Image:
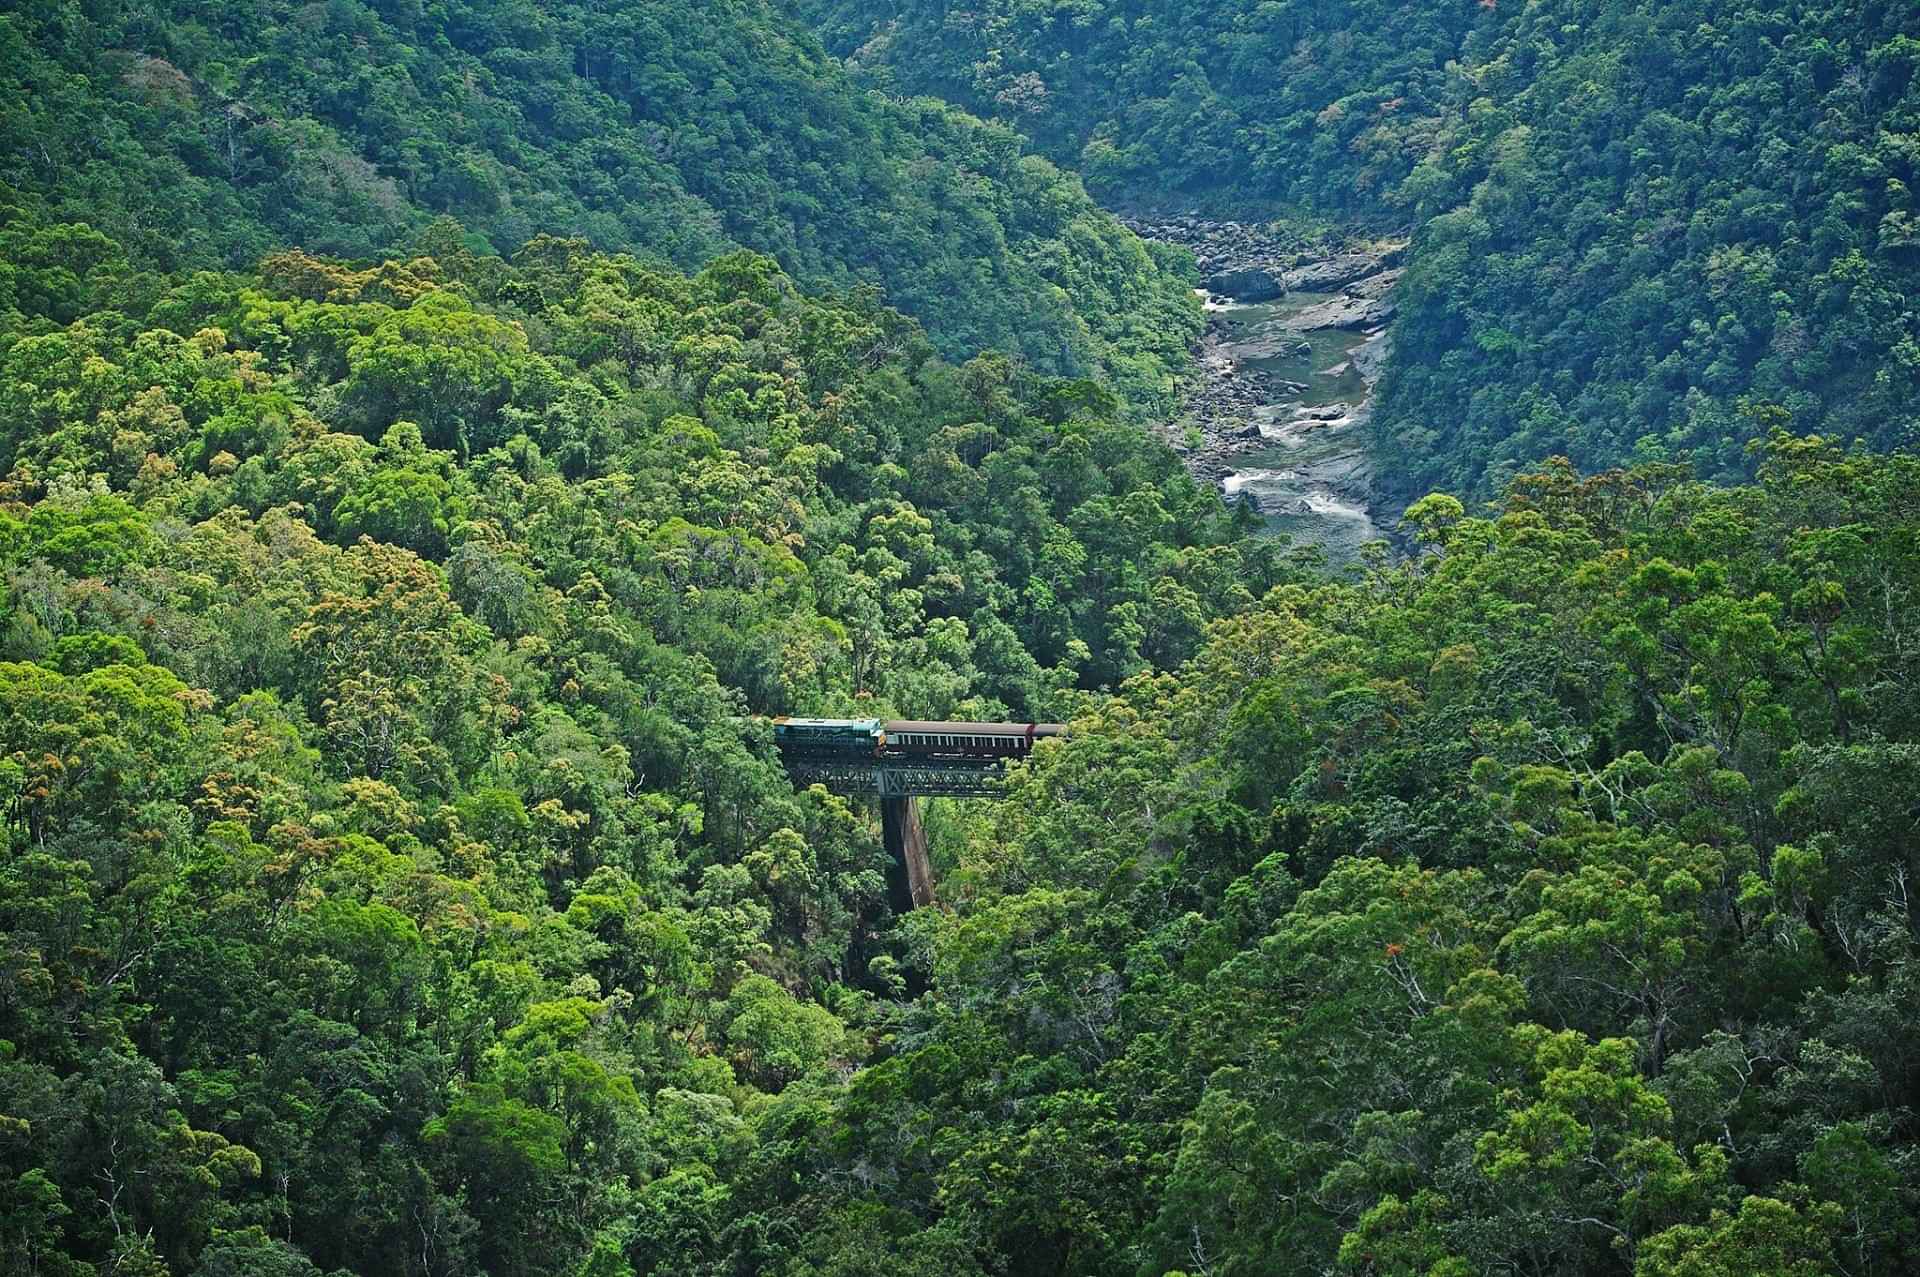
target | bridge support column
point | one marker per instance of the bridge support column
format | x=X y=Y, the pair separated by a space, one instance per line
x=910 y=874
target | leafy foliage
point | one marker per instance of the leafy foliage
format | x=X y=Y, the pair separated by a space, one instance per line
x=209 y=135
x=1466 y=911
x=1634 y=223
x=397 y=876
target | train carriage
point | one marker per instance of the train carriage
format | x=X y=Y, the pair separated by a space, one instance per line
x=915 y=738
x=829 y=738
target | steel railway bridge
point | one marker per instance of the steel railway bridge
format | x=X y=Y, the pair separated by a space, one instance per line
x=899 y=762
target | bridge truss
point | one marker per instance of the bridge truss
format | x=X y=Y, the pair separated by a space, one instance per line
x=900 y=778
x=900 y=762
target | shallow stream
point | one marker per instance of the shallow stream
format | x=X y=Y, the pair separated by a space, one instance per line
x=1310 y=479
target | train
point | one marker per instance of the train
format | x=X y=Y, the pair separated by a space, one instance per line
x=829 y=738
x=964 y=740
x=862 y=738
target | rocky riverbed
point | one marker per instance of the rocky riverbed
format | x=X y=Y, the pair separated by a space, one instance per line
x=1294 y=342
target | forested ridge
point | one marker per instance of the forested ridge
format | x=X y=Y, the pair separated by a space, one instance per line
x=398 y=878
x=396 y=584
x=398 y=874
x=1628 y=218
x=209 y=134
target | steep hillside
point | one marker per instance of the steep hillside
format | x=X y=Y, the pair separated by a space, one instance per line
x=395 y=874
x=210 y=134
x=1308 y=105
x=395 y=877
x=1639 y=226
x=1673 y=222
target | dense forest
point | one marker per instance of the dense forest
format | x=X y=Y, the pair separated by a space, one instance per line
x=208 y=134
x=1324 y=105
x=390 y=809
x=398 y=878
x=437 y=438
x=1629 y=217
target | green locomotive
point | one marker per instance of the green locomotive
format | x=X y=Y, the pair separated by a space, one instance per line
x=828 y=738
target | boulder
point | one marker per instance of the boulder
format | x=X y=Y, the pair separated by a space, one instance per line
x=1249 y=284
x=1281 y=344
x=1374 y=285
x=1331 y=273
x=1355 y=313
x=1370 y=356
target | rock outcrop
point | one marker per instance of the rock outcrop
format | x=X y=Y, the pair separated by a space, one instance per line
x=1342 y=269
x=1358 y=314
x=1249 y=284
x=1361 y=306
x=1249 y=263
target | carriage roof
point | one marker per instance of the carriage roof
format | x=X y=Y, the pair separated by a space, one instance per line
x=917 y=727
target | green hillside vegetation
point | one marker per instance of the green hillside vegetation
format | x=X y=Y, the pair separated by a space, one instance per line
x=397 y=879
x=1681 y=211
x=1630 y=218
x=397 y=876
x=208 y=135
x=1317 y=106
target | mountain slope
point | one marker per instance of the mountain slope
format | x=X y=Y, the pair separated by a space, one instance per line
x=1678 y=221
x=1639 y=227
x=396 y=876
x=208 y=135
x=1310 y=104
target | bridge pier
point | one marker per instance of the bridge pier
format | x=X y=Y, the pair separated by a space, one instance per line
x=898 y=761
x=909 y=872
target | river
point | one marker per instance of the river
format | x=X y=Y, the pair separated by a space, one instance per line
x=1277 y=414
x=1310 y=472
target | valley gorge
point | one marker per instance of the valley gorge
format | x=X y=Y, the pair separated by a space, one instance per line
x=1031 y=638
